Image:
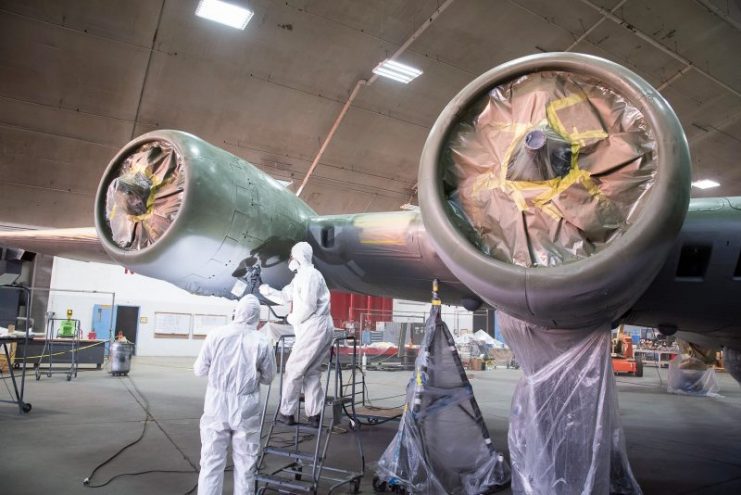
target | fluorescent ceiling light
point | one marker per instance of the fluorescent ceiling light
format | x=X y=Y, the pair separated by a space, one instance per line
x=396 y=71
x=225 y=13
x=705 y=184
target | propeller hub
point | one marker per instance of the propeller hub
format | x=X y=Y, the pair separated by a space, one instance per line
x=132 y=193
x=535 y=140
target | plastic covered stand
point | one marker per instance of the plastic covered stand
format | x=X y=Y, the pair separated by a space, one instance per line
x=565 y=435
x=691 y=372
x=690 y=376
x=443 y=445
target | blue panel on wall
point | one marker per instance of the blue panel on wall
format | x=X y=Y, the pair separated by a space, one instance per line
x=102 y=315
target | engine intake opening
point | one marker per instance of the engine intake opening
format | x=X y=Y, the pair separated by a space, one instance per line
x=143 y=200
x=548 y=168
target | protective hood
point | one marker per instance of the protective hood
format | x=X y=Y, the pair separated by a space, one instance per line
x=302 y=253
x=247 y=310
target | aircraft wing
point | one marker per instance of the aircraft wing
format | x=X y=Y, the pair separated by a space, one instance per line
x=567 y=217
x=384 y=253
x=78 y=244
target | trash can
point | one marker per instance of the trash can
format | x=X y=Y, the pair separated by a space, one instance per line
x=121 y=358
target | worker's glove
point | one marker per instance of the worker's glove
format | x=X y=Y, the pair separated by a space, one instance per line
x=292 y=320
x=264 y=289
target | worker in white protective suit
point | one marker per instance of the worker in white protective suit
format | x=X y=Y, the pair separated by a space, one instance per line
x=312 y=324
x=237 y=359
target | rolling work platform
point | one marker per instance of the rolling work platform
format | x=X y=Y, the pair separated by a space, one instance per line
x=55 y=345
x=304 y=471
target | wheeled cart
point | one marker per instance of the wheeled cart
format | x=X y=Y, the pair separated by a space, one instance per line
x=54 y=346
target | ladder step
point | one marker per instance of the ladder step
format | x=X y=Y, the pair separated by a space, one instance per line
x=302 y=427
x=306 y=428
x=290 y=453
x=284 y=483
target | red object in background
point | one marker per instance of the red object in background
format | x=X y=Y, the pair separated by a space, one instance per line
x=91 y=335
x=351 y=307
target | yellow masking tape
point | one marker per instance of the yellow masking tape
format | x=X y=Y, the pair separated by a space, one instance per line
x=59 y=353
x=552 y=187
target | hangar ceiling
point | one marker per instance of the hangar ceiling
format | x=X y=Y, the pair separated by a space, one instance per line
x=78 y=79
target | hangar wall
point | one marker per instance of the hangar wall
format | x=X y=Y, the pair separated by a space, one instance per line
x=131 y=290
x=154 y=296
x=456 y=317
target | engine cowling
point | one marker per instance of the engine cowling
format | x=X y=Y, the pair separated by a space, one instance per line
x=554 y=186
x=174 y=207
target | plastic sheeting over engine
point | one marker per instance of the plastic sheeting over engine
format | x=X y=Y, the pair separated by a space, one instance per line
x=565 y=435
x=548 y=168
x=143 y=201
x=443 y=445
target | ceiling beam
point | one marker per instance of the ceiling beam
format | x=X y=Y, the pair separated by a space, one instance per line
x=428 y=22
x=594 y=26
x=718 y=12
x=648 y=39
x=146 y=70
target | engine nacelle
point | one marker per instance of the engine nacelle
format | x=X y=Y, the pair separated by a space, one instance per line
x=554 y=185
x=173 y=207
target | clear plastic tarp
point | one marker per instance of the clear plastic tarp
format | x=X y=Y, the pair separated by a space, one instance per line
x=443 y=445
x=548 y=169
x=143 y=201
x=692 y=372
x=565 y=435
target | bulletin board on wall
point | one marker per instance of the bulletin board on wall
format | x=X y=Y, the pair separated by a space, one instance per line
x=172 y=325
x=202 y=324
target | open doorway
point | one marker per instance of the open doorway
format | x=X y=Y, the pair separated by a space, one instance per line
x=127 y=321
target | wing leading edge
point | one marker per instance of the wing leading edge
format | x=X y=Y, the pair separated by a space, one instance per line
x=78 y=243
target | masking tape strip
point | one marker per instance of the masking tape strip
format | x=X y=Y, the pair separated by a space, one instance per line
x=14 y=355
x=553 y=187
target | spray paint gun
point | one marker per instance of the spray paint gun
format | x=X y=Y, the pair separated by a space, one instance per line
x=249 y=281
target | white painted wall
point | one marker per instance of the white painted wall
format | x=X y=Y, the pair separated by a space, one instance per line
x=456 y=317
x=131 y=290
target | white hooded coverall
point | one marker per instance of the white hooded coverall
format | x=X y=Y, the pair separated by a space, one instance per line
x=237 y=359
x=312 y=324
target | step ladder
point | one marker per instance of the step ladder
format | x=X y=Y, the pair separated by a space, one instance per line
x=302 y=471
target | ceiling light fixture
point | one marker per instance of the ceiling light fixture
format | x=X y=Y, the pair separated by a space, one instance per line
x=705 y=184
x=396 y=71
x=225 y=13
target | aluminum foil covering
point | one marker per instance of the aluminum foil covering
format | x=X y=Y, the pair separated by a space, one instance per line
x=548 y=169
x=145 y=198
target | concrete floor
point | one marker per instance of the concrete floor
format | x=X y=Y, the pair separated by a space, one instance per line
x=677 y=445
